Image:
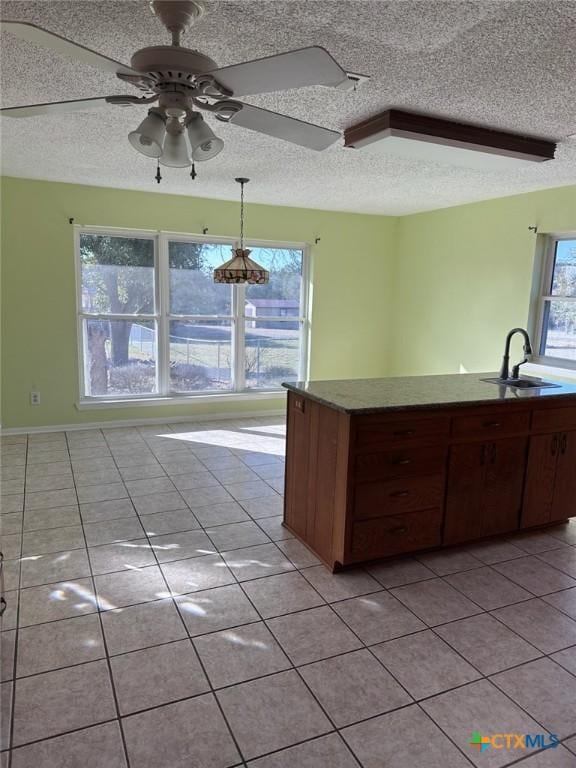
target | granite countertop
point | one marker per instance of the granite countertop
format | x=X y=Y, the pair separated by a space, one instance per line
x=414 y=392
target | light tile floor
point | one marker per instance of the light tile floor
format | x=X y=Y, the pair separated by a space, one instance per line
x=160 y=616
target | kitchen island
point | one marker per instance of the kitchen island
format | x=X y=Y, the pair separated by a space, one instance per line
x=380 y=467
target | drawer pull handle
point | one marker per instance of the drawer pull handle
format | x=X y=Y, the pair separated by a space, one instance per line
x=403 y=461
x=404 y=432
x=399 y=494
x=400 y=529
x=2 y=606
x=492 y=424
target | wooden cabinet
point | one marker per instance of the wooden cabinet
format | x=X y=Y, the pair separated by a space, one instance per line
x=490 y=425
x=550 y=493
x=297 y=460
x=464 y=493
x=397 y=533
x=505 y=465
x=540 y=479
x=390 y=497
x=374 y=431
x=484 y=492
x=365 y=486
x=564 y=499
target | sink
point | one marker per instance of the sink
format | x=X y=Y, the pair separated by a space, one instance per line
x=522 y=383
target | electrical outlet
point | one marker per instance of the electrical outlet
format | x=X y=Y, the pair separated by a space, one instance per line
x=34 y=398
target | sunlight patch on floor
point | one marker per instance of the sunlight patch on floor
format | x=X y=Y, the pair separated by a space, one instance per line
x=235 y=440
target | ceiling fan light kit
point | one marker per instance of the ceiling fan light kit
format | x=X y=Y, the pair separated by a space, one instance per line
x=186 y=82
x=439 y=140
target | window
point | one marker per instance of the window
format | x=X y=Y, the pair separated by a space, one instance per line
x=153 y=323
x=556 y=324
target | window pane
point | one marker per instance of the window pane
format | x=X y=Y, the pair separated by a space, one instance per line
x=200 y=355
x=192 y=288
x=119 y=357
x=559 y=330
x=564 y=276
x=281 y=296
x=117 y=274
x=272 y=355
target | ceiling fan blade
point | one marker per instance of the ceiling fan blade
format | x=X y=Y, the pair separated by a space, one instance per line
x=284 y=127
x=295 y=69
x=54 y=107
x=33 y=34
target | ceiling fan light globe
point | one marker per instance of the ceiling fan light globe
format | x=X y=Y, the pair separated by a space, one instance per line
x=175 y=153
x=204 y=142
x=148 y=138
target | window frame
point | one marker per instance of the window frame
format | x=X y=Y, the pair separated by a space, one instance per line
x=162 y=318
x=544 y=296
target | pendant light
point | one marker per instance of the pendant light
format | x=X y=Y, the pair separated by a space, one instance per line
x=241 y=268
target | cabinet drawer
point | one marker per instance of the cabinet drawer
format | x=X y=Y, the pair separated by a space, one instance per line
x=553 y=419
x=396 y=534
x=401 y=462
x=398 y=495
x=372 y=432
x=490 y=424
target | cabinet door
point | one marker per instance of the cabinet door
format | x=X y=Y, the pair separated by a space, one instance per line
x=564 y=501
x=297 y=461
x=505 y=466
x=540 y=479
x=463 y=520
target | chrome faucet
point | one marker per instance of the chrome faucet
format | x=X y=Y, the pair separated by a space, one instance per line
x=504 y=372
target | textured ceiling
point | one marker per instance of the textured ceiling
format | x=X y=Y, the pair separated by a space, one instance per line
x=508 y=65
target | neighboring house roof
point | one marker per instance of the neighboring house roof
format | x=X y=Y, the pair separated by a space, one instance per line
x=283 y=303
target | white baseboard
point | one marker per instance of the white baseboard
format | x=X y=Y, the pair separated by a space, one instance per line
x=205 y=417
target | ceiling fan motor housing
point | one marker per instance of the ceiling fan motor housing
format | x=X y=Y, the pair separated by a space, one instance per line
x=172 y=64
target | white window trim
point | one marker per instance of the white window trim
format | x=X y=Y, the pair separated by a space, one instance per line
x=544 y=280
x=162 y=318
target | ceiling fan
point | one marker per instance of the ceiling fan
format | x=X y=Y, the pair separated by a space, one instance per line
x=185 y=82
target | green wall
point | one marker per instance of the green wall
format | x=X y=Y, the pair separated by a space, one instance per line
x=428 y=293
x=39 y=351
x=463 y=277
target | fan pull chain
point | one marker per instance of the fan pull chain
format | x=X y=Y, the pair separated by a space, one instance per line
x=193 y=173
x=158 y=176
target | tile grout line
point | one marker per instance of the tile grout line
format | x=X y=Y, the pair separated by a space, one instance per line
x=238 y=583
x=490 y=612
x=197 y=655
x=104 y=642
x=292 y=666
x=486 y=677
x=296 y=569
x=431 y=628
x=384 y=589
x=381 y=588
x=414 y=702
x=17 y=633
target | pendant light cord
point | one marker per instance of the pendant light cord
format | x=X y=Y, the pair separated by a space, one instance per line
x=242 y=215
x=242 y=181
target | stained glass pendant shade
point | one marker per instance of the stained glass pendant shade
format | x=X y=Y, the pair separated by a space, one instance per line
x=241 y=268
